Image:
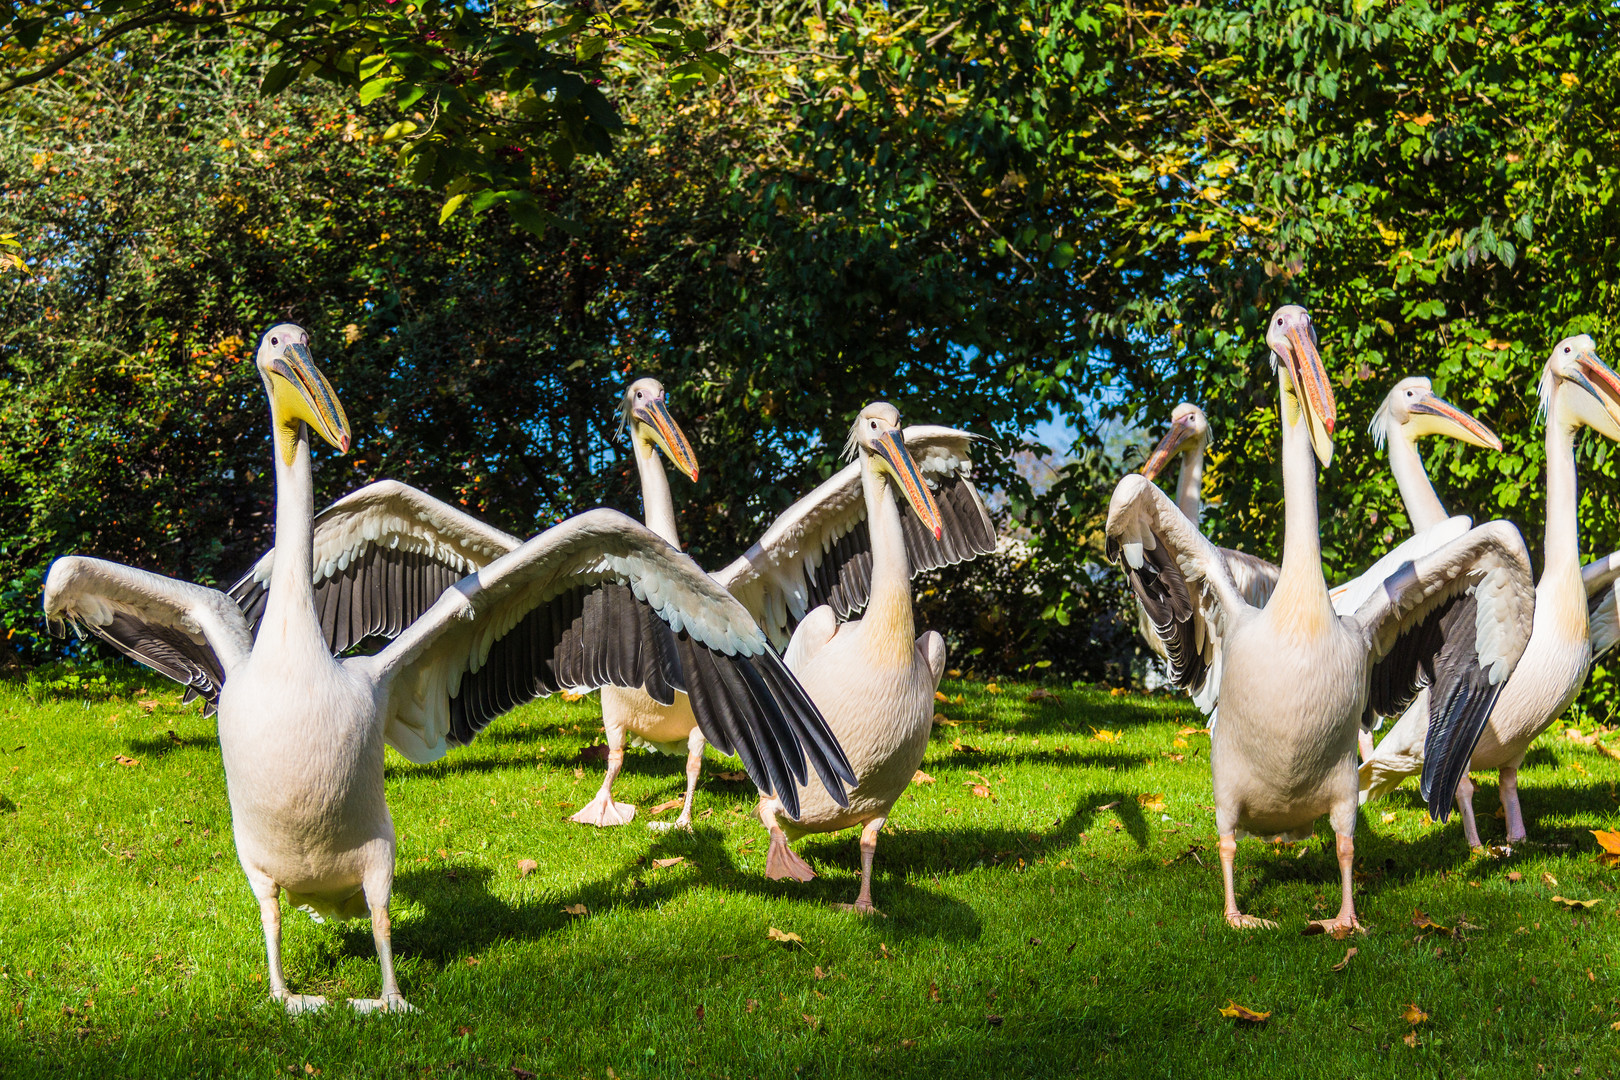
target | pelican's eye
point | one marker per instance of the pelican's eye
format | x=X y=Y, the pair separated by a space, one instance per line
x=1566 y=348
x=274 y=342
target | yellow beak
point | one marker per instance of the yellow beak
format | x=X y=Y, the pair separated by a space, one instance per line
x=891 y=449
x=668 y=435
x=1456 y=423
x=1167 y=448
x=1313 y=390
x=299 y=393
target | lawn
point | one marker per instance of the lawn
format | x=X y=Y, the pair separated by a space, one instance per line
x=1052 y=908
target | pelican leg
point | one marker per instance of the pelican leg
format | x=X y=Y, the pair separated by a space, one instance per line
x=268 y=894
x=1344 y=923
x=1235 y=918
x=694 y=765
x=781 y=861
x=382 y=935
x=869 y=837
x=1508 y=779
x=602 y=810
x=1465 y=810
x=1364 y=743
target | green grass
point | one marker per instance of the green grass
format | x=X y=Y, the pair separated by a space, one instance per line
x=1027 y=933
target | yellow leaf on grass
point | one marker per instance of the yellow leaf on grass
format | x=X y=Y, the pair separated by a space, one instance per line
x=981 y=791
x=1389 y=819
x=1154 y=802
x=992 y=688
x=1423 y=922
x=571 y=695
x=1414 y=1015
x=1192 y=731
x=1410 y=1038
x=941 y=698
x=734 y=777
x=1179 y=743
x=1548 y=879
x=941 y=720
x=126 y=762
x=663 y=864
x=1105 y=736
x=669 y=805
x=527 y=867
x=782 y=935
x=920 y=777
x=1237 y=1012
x=1573 y=904
x=576 y=909
x=1610 y=842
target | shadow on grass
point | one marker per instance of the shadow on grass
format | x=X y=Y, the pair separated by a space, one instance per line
x=156 y=748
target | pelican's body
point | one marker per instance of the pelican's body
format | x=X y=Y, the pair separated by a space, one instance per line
x=871 y=678
x=1574 y=609
x=1293 y=679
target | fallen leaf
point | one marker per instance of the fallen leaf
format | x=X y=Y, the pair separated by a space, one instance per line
x=527 y=867
x=1342 y=964
x=1192 y=731
x=1548 y=879
x=576 y=909
x=1118 y=691
x=779 y=935
x=920 y=777
x=1410 y=1038
x=1238 y=1012
x=670 y=805
x=814 y=1022
x=819 y=973
x=1179 y=743
x=1109 y=806
x=126 y=762
x=1610 y=842
x=1041 y=693
x=940 y=697
x=1573 y=904
x=521 y=1074
x=472 y=961
x=572 y=695
x=963 y=748
x=1423 y=922
x=1105 y=736
x=1515 y=877
x=1153 y=802
x=148 y=703
x=994 y=1020
x=941 y=720
x=664 y=864
x=933 y=993
x=991 y=688
x=908 y=1044
x=732 y=776
x=1414 y=1015
x=1389 y=819
x=753 y=1003
x=955 y=673
x=579 y=774
x=981 y=791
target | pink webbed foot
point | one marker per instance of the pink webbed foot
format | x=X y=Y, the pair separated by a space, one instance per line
x=783 y=862
x=1338 y=928
x=603 y=811
x=1239 y=921
x=860 y=907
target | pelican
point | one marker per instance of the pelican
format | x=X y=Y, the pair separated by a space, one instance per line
x=1575 y=607
x=598 y=599
x=1294 y=679
x=819 y=551
x=873 y=680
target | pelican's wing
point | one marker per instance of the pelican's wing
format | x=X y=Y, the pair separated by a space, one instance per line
x=1181 y=580
x=819 y=551
x=1457 y=618
x=1348 y=597
x=1599 y=576
x=190 y=633
x=383 y=554
x=1254 y=577
x=600 y=600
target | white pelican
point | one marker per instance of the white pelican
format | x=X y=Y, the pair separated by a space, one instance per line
x=301 y=732
x=1293 y=679
x=819 y=551
x=1574 y=614
x=872 y=679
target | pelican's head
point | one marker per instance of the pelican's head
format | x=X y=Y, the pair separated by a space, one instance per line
x=876 y=436
x=1189 y=430
x=1595 y=401
x=299 y=393
x=646 y=416
x=1413 y=408
x=1292 y=338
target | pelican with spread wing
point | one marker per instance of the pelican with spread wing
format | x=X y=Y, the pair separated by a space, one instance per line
x=597 y=600
x=1294 y=679
x=1575 y=612
x=385 y=552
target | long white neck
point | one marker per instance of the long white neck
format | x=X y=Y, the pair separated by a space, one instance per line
x=1190 y=485
x=1301 y=596
x=657 y=504
x=888 y=621
x=1423 y=506
x=1562 y=550
x=290 y=606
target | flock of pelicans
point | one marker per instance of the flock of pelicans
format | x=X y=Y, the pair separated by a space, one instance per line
x=801 y=657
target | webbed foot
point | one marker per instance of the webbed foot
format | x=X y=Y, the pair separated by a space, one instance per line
x=298 y=1004
x=1239 y=921
x=603 y=811
x=783 y=862
x=389 y=1003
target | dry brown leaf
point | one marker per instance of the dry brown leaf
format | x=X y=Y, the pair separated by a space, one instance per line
x=1389 y=819
x=783 y=936
x=920 y=777
x=571 y=695
x=1041 y=693
x=1118 y=691
x=963 y=748
x=1515 y=877
x=1423 y=922
x=1109 y=806
x=814 y=1022
x=527 y=867
x=819 y=973
x=1192 y=731
x=1410 y=1038
x=1414 y=1015
x=149 y=704
x=579 y=774
x=941 y=698
x=126 y=762
x=1105 y=736
x=576 y=909
x=941 y=720
x=664 y=864
x=1342 y=964
x=473 y=961
x=980 y=791
x=908 y=1044
x=1238 y=1012
x=955 y=673
x=1548 y=879
x=669 y=805
x=753 y=1003
x=732 y=776
x=933 y=993
x=1610 y=842
x=1153 y=802
x=1573 y=904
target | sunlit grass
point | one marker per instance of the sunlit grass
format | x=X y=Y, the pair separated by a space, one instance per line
x=1052 y=908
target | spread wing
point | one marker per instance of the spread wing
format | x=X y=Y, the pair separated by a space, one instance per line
x=1456 y=620
x=190 y=633
x=1180 y=579
x=1599 y=577
x=1348 y=597
x=1254 y=577
x=602 y=600
x=383 y=555
x=819 y=551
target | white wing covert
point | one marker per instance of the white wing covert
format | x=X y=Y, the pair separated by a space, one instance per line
x=191 y=633
x=819 y=550
x=1599 y=576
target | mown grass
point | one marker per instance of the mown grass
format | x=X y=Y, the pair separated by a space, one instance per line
x=1029 y=931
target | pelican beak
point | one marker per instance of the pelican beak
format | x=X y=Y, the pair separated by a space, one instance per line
x=1312 y=390
x=1596 y=378
x=1452 y=421
x=891 y=449
x=299 y=393
x=668 y=435
x=1167 y=447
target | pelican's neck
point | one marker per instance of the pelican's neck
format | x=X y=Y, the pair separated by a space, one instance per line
x=1190 y=485
x=1301 y=596
x=1562 y=551
x=888 y=612
x=1423 y=507
x=291 y=599
x=657 y=505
